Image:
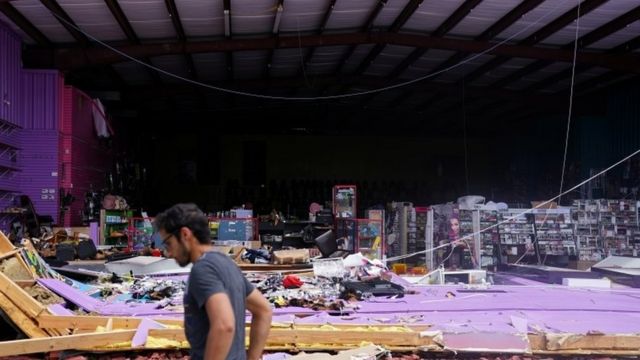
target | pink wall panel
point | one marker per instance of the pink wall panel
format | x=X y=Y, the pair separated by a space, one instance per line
x=84 y=160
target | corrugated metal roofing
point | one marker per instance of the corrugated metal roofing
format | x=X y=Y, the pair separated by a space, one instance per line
x=149 y=19
x=94 y=17
x=302 y=16
x=430 y=15
x=201 y=18
x=350 y=14
x=48 y=24
x=483 y=16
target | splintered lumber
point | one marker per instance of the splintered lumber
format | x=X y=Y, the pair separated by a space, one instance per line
x=83 y=322
x=563 y=342
x=8 y=254
x=21 y=298
x=5 y=244
x=347 y=337
x=22 y=321
x=67 y=342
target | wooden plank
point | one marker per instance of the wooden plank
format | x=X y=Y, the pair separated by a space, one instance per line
x=22 y=321
x=537 y=342
x=68 y=342
x=169 y=334
x=9 y=254
x=5 y=244
x=91 y=322
x=382 y=338
x=562 y=342
x=21 y=298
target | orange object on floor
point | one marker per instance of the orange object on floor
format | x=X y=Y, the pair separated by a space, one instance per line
x=399 y=268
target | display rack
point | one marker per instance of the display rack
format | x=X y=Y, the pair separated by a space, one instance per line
x=489 y=237
x=619 y=227
x=516 y=233
x=113 y=227
x=585 y=217
x=554 y=232
x=139 y=232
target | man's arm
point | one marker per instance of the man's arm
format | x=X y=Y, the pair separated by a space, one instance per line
x=222 y=326
x=260 y=323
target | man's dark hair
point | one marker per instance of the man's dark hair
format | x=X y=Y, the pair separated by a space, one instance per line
x=184 y=215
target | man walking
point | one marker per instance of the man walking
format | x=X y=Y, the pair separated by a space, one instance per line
x=217 y=293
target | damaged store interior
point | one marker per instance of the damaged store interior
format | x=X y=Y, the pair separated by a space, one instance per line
x=400 y=179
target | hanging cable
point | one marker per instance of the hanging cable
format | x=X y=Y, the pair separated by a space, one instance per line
x=329 y=97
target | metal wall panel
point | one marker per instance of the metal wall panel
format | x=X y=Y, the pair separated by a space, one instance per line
x=10 y=75
x=39 y=176
x=84 y=162
x=40 y=93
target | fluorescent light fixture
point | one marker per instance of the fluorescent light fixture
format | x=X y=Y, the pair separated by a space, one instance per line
x=276 y=24
x=227 y=23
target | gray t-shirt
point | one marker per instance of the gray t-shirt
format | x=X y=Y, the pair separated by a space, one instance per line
x=214 y=273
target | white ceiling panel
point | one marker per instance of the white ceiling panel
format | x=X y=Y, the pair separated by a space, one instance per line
x=25 y=38
x=201 y=18
x=303 y=15
x=631 y=31
x=133 y=73
x=173 y=64
x=286 y=62
x=249 y=64
x=356 y=58
x=41 y=18
x=350 y=14
x=249 y=17
x=483 y=16
x=94 y=17
x=149 y=19
x=591 y=21
x=431 y=14
x=211 y=66
x=535 y=19
x=389 y=13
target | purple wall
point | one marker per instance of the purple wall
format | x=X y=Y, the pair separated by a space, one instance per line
x=39 y=139
x=39 y=177
x=10 y=73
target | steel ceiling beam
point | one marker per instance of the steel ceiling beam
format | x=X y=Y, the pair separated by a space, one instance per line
x=75 y=57
x=182 y=37
x=127 y=29
x=122 y=20
x=406 y=13
x=226 y=5
x=551 y=28
x=276 y=33
x=596 y=35
x=25 y=25
x=365 y=28
x=441 y=31
x=323 y=25
x=66 y=21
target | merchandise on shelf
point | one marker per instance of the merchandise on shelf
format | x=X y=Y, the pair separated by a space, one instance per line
x=554 y=232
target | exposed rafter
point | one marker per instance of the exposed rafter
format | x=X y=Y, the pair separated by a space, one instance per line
x=453 y=20
x=125 y=25
x=323 y=25
x=366 y=27
x=441 y=31
x=228 y=33
x=122 y=20
x=551 y=28
x=603 y=31
x=66 y=21
x=275 y=33
x=25 y=25
x=177 y=25
x=398 y=23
